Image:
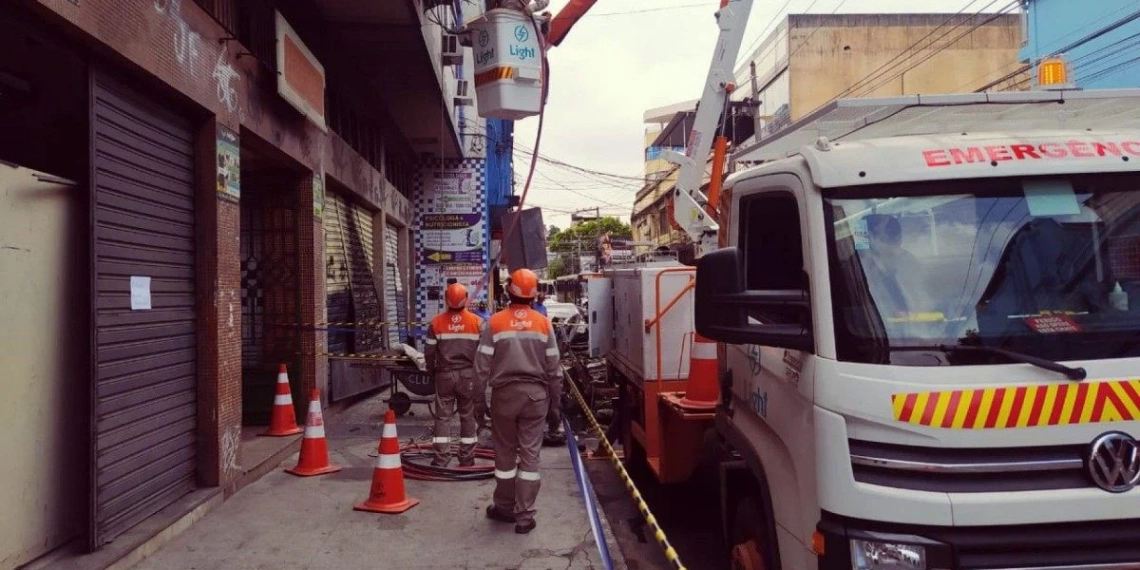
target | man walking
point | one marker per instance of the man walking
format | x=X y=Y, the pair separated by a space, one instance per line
x=452 y=340
x=518 y=354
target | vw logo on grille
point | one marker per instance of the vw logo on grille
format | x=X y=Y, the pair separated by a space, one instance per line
x=1114 y=462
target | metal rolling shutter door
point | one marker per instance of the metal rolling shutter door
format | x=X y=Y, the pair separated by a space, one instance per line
x=352 y=291
x=392 y=307
x=337 y=295
x=365 y=299
x=144 y=417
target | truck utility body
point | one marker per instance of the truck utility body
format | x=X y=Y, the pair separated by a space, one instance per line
x=931 y=316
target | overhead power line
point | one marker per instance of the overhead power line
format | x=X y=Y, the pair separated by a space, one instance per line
x=905 y=51
x=944 y=47
x=521 y=149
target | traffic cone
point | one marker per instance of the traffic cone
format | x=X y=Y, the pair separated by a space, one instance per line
x=702 y=390
x=314 y=458
x=387 y=495
x=284 y=419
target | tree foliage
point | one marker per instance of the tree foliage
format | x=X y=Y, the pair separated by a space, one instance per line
x=556 y=268
x=584 y=237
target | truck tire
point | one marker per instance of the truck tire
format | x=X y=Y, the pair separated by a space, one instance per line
x=748 y=551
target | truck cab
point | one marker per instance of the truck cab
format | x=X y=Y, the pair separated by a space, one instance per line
x=929 y=317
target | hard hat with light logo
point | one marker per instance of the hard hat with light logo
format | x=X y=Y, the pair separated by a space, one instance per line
x=456 y=296
x=524 y=284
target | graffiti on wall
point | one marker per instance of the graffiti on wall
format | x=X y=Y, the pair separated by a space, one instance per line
x=198 y=58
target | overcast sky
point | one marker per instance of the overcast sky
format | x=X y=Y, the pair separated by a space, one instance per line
x=627 y=56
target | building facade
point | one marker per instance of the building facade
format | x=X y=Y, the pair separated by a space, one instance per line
x=812 y=59
x=193 y=189
x=1099 y=40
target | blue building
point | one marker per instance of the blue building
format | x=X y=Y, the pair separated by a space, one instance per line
x=1099 y=39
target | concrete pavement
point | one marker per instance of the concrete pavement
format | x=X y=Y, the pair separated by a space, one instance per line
x=283 y=521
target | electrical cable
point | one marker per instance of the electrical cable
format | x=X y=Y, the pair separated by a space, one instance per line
x=1026 y=67
x=1079 y=65
x=946 y=46
x=909 y=49
x=523 y=149
x=746 y=53
x=426 y=472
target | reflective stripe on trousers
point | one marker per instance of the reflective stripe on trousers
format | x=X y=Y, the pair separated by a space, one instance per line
x=518 y=416
x=455 y=390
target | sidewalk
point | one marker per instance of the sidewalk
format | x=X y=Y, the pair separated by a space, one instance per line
x=283 y=521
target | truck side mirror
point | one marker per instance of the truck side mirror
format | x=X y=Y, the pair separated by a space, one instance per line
x=722 y=303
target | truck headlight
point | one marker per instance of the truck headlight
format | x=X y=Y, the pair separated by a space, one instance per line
x=881 y=555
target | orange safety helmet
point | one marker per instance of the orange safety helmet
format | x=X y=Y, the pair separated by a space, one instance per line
x=524 y=284
x=456 y=296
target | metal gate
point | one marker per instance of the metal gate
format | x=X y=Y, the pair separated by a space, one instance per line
x=144 y=380
x=395 y=302
x=351 y=294
x=270 y=294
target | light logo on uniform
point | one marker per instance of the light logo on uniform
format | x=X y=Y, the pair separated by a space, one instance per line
x=457 y=324
x=520 y=314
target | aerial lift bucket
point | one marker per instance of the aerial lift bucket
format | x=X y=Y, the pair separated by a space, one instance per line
x=508 y=64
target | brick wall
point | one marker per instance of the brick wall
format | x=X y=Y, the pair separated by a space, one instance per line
x=219 y=311
x=314 y=344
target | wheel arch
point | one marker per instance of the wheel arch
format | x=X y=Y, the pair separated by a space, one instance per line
x=746 y=475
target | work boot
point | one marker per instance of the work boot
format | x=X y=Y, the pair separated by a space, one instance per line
x=440 y=462
x=467 y=462
x=525 y=526
x=496 y=515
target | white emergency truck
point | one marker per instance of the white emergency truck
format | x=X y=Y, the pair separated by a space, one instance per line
x=928 y=311
x=930 y=317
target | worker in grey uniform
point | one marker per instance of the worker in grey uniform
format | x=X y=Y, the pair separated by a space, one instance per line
x=518 y=355
x=452 y=340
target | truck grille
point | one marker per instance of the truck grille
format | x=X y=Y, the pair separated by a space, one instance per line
x=969 y=470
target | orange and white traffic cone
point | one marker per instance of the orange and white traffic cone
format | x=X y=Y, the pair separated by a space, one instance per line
x=284 y=419
x=314 y=458
x=387 y=495
x=702 y=390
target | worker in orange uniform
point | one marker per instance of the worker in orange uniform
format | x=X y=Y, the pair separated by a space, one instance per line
x=518 y=355
x=452 y=340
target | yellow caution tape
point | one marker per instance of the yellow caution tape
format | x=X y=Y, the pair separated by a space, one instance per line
x=350 y=355
x=642 y=506
x=353 y=324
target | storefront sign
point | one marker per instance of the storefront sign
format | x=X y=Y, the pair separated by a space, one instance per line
x=228 y=163
x=319 y=195
x=301 y=80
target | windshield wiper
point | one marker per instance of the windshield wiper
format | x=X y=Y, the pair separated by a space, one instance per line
x=1069 y=372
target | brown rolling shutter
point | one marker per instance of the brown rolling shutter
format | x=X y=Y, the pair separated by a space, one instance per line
x=351 y=293
x=395 y=300
x=144 y=417
x=338 y=297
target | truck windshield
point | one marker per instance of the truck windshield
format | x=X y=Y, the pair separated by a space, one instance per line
x=1048 y=267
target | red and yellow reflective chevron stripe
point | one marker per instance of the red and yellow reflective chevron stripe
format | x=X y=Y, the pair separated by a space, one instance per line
x=494 y=74
x=1021 y=406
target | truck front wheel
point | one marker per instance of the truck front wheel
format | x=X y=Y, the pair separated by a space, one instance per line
x=748 y=549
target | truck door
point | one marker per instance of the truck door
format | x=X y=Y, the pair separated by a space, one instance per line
x=772 y=386
x=599 y=292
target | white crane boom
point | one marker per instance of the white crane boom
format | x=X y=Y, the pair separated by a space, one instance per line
x=690 y=204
